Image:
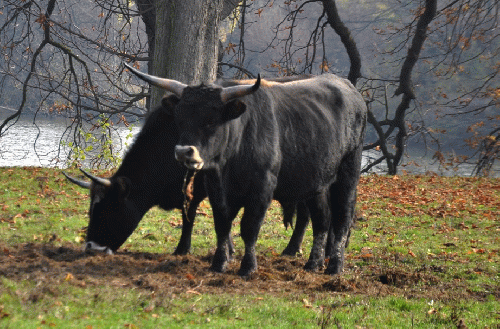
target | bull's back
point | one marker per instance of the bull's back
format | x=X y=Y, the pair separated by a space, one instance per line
x=320 y=120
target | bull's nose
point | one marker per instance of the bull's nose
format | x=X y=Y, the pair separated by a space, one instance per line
x=189 y=156
x=184 y=152
x=93 y=246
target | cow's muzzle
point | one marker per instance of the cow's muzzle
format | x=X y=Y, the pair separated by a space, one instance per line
x=92 y=246
x=189 y=156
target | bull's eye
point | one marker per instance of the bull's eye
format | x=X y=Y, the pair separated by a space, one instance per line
x=209 y=123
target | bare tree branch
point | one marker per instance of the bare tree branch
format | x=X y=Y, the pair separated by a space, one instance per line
x=414 y=51
x=346 y=38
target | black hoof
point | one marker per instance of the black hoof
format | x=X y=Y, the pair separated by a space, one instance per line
x=248 y=265
x=290 y=252
x=247 y=273
x=180 y=252
x=313 y=265
x=218 y=268
x=334 y=267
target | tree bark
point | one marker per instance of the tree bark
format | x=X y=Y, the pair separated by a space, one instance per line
x=346 y=38
x=416 y=46
x=186 y=41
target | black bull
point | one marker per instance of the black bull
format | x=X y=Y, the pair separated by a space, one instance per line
x=299 y=141
x=149 y=175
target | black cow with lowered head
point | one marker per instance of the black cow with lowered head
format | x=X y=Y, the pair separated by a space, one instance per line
x=295 y=141
x=149 y=175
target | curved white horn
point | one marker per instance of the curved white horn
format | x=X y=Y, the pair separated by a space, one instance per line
x=77 y=181
x=230 y=93
x=103 y=181
x=173 y=86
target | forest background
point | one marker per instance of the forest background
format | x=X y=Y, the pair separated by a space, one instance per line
x=427 y=69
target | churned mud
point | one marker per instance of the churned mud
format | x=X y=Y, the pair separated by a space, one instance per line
x=50 y=265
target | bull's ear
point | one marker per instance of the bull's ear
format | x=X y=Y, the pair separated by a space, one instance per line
x=233 y=109
x=168 y=103
x=123 y=184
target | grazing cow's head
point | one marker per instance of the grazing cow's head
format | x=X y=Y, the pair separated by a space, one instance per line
x=112 y=217
x=200 y=112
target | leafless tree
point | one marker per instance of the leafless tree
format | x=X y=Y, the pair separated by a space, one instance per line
x=68 y=54
x=423 y=47
x=431 y=57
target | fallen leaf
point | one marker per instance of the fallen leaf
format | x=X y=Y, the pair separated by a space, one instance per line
x=130 y=325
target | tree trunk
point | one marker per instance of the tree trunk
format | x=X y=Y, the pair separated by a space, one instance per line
x=186 y=42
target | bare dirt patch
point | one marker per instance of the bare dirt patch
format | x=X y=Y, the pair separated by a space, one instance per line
x=279 y=276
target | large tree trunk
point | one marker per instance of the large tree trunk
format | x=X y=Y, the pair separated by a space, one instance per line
x=186 y=42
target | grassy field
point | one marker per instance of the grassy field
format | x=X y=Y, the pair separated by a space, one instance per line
x=425 y=253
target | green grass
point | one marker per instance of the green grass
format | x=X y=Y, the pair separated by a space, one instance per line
x=71 y=307
x=425 y=238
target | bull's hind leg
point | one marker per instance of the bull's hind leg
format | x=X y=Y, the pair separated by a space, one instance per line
x=319 y=209
x=343 y=202
x=293 y=246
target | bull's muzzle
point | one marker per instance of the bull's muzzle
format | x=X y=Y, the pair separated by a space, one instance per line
x=189 y=156
x=92 y=246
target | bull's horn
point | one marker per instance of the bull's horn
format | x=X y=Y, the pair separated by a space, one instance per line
x=103 y=181
x=173 y=86
x=76 y=181
x=230 y=93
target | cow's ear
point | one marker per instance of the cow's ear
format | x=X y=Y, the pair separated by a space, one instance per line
x=123 y=184
x=169 y=103
x=233 y=110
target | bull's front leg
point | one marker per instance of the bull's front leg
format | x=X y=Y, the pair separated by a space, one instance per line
x=224 y=214
x=250 y=226
x=184 y=245
x=256 y=205
x=222 y=230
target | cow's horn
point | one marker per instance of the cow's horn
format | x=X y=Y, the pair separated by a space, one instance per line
x=173 y=86
x=95 y=179
x=239 y=91
x=77 y=182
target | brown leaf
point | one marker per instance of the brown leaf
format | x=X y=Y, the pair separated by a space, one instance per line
x=307 y=304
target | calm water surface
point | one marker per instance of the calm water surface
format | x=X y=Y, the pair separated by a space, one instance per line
x=26 y=144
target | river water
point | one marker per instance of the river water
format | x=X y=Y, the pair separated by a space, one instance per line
x=26 y=144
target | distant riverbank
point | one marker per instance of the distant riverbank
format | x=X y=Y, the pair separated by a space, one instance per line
x=27 y=144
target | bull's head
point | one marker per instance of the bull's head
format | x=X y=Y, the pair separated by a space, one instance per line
x=112 y=218
x=201 y=114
